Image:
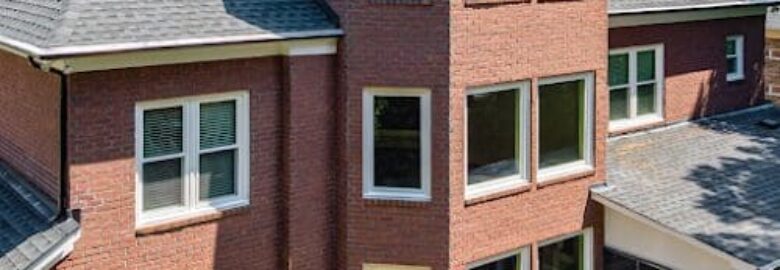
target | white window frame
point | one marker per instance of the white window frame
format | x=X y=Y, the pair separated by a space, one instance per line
x=504 y=183
x=739 y=46
x=587 y=238
x=633 y=119
x=582 y=165
x=524 y=254
x=370 y=190
x=192 y=205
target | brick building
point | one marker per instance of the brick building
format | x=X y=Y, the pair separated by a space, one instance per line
x=355 y=134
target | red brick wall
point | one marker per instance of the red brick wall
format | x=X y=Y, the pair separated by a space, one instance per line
x=101 y=132
x=509 y=42
x=695 y=65
x=772 y=67
x=29 y=122
x=393 y=45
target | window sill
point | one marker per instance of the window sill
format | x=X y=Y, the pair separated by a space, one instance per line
x=189 y=220
x=396 y=196
x=496 y=186
x=565 y=173
x=622 y=126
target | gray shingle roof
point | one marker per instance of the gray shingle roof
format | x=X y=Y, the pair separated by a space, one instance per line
x=639 y=6
x=27 y=232
x=50 y=24
x=717 y=181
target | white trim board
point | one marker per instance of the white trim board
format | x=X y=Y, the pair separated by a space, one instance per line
x=629 y=20
x=695 y=6
x=736 y=263
x=303 y=47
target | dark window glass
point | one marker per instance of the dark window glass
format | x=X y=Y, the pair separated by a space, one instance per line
x=162 y=184
x=564 y=255
x=731 y=47
x=561 y=126
x=397 y=142
x=645 y=99
x=217 y=174
x=163 y=132
x=618 y=104
x=645 y=66
x=493 y=130
x=618 y=69
x=509 y=263
x=615 y=261
x=732 y=65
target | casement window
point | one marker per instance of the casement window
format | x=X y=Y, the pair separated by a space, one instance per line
x=571 y=252
x=565 y=126
x=515 y=260
x=636 y=83
x=497 y=127
x=192 y=156
x=735 y=58
x=396 y=144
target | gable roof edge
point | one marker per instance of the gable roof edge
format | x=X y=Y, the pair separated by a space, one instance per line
x=692 y=7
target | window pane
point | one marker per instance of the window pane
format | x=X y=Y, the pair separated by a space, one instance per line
x=510 y=263
x=217 y=124
x=645 y=66
x=731 y=65
x=217 y=174
x=645 y=99
x=618 y=69
x=731 y=47
x=564 y=255
x=163 y=132
x=493 y=127
x=561 y=127
x=162 y=184
x=397 y=142
x=618 y=104
x=615 y=261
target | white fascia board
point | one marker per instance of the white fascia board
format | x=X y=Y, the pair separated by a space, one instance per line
x=639 y=19
x=736 y=263
x=57 y=253
x=26 y=49
x=691 y=7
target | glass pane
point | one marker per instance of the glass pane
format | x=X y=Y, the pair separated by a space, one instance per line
x=564 y=255
x=493 y=127
x=510 y=263
x=618 y=69
x=561 y=127
x=163 y=132
x=397 y=142
x=616 y=261
x=618 y=104
x=217 y=174
x=162 y=184
x=645 y=99
x=731 y=65
x=217 y=124
x=731 y=47
x=645 y=66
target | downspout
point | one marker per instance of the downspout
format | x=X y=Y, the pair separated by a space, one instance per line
x=64 y=196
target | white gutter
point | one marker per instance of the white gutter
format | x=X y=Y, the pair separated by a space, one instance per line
x=687 y=7
x=57 y=253
x=29 y=49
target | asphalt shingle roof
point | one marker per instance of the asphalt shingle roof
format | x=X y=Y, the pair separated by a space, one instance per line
x=66 y=23
x=717 y=181
x=638 y=6
x=27 y=232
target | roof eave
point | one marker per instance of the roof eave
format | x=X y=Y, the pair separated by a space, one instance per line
x=26 y=49
x=691 y=7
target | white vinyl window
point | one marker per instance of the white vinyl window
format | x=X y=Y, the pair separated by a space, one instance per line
x=636 y=83
x=565 y=126
x=514 y=260
x=192 y=156
x=397 y=144
x=573 y=251
x=735 y=58
x=497 y=127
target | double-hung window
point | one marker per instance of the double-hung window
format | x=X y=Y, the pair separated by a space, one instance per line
x=635 y=86
x=571 y=252
x=396 y=144
x=735 y=58
x=192 y=156
x=497 y=126
x=565 y=126
x=514 y=260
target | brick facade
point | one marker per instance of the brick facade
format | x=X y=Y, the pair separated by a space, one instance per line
x=288 y=221
x=30 y=122
x=695 y=66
